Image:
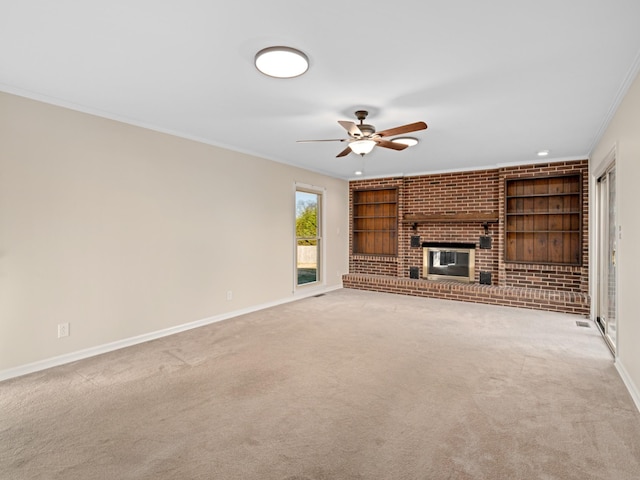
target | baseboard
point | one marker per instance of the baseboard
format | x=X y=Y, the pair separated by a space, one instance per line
x=128 y=342
x=631 y=386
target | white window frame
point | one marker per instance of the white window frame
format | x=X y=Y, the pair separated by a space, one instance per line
x=321 y=277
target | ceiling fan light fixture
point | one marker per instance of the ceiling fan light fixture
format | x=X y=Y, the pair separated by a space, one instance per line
x=408 y=141
x=281 y=62
x=362 y=147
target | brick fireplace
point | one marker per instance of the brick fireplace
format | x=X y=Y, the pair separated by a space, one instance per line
x=471 y=208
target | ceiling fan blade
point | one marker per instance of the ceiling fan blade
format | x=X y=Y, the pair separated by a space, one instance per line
x=344 y=152
x=327 y=140
x=411 y=127
x=388 y=144
x=351 y=127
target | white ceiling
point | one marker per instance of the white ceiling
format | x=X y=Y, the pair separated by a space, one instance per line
x=496 y=80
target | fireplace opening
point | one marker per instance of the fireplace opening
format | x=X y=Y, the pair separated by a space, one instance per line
x=449 y=261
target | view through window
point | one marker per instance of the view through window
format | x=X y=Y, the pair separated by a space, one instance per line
x=308 y=238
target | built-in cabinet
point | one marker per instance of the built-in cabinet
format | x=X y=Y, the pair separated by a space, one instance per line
x=544 y=220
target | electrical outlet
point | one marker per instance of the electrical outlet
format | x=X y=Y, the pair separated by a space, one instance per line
x=63 y=330
x=229 y=295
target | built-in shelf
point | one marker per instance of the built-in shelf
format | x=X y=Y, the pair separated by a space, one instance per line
x=543 y=220
x=375 y=222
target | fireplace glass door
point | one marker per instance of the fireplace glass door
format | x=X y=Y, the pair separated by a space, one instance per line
x=449 y=264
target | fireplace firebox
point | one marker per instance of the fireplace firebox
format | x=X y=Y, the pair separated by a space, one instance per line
x=449 y=261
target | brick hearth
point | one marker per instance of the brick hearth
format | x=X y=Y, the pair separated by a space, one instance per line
x=535 y=298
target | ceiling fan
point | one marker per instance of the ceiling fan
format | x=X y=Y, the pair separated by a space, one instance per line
x=363 y=137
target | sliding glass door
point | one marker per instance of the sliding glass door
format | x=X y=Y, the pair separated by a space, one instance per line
x=607 y=233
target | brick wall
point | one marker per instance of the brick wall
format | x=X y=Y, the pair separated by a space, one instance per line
x=481 y=191
x=374 y=265
x=449 y=193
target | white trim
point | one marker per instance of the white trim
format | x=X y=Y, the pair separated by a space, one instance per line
x=96 y=112
x=494 y=166
x=322 y=277
x=606 y=162
x=632 y=73
x=631 y=387
x=323 y=237
x=310 y=188
x=129 y=342
x=20 y=92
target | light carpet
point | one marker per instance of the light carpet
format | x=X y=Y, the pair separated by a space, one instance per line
x=348 y=385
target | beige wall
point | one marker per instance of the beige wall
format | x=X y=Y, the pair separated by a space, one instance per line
x=623 y=134
x=123 y=231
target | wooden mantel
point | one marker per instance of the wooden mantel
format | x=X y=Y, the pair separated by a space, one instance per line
x=484 y=217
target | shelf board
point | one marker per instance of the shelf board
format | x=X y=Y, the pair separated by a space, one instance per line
x=543 y=213
x=538 y=195
x=543 y=231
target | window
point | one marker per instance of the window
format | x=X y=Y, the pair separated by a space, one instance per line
x=375 y=222
x=544 y=220
x=308 y=236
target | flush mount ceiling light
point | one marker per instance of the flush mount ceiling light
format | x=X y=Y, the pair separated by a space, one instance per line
x=358 y=172
x=408 y=141
x=281 y=62
x=543 y=153
x=362 y=147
